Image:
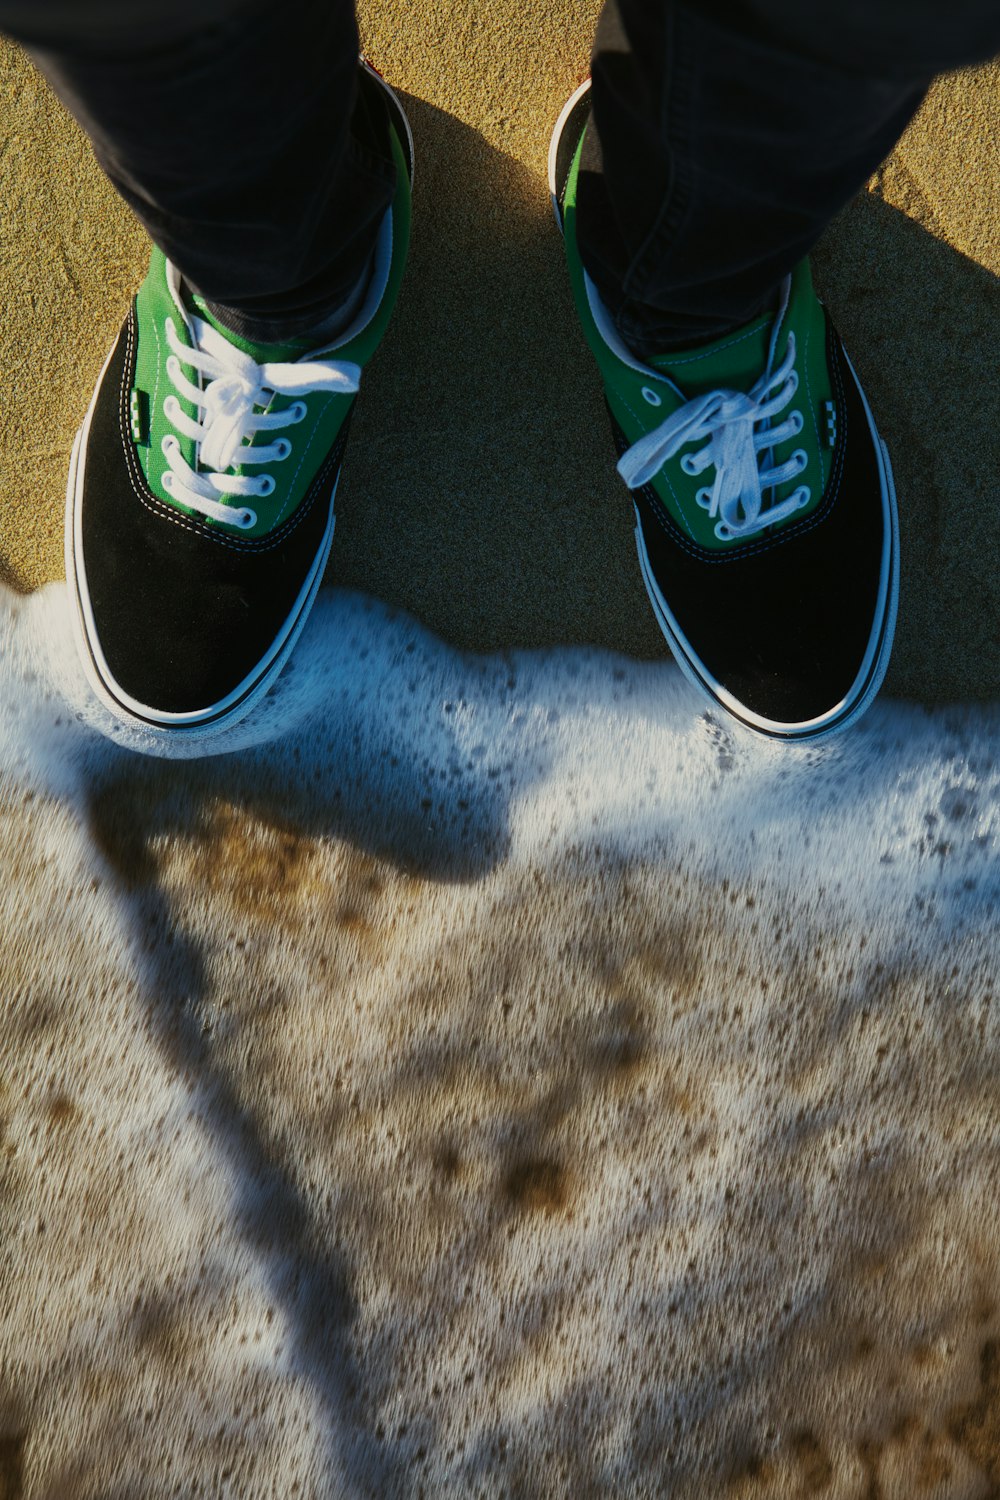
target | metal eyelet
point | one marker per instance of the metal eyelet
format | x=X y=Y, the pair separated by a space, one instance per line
x=247 y=518
x=802 y=459
x=648 y=394
x=688 y=464
x=265 y=485
x=285 y=448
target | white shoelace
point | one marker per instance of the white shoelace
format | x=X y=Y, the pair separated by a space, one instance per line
x=233 y=386
x=738 y=435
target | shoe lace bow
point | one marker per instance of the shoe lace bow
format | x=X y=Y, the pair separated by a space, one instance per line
x=737 y=435
x=231 y=398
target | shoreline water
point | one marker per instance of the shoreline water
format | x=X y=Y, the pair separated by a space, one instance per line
x=507 y=1070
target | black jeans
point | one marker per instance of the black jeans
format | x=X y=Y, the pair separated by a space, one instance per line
x=728 y=133
x=236 y=131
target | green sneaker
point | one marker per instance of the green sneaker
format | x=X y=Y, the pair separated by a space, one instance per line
x=200 y=503
x=765 y=511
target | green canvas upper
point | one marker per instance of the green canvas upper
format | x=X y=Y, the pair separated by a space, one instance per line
x=733 y=362
x=311 y=439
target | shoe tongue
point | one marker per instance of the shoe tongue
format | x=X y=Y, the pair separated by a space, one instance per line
x=287 y=352
x=732 y=362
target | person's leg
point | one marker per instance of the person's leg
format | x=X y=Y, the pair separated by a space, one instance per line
x=237 y=134
x=729 y=132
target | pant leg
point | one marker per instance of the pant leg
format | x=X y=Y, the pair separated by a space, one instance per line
x=52 y=23
x=241 y=141
x=729 y=132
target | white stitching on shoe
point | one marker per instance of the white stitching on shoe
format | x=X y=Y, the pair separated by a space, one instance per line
x=298 y=470
x=809 y=397
x=749 y=333
x=156 y=386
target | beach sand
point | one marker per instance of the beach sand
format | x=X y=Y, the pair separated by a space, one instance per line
x=477 y=493
x=492 y=1074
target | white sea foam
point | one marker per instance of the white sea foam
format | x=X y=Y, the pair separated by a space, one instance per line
x=497 y=1075
x=565 y=747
